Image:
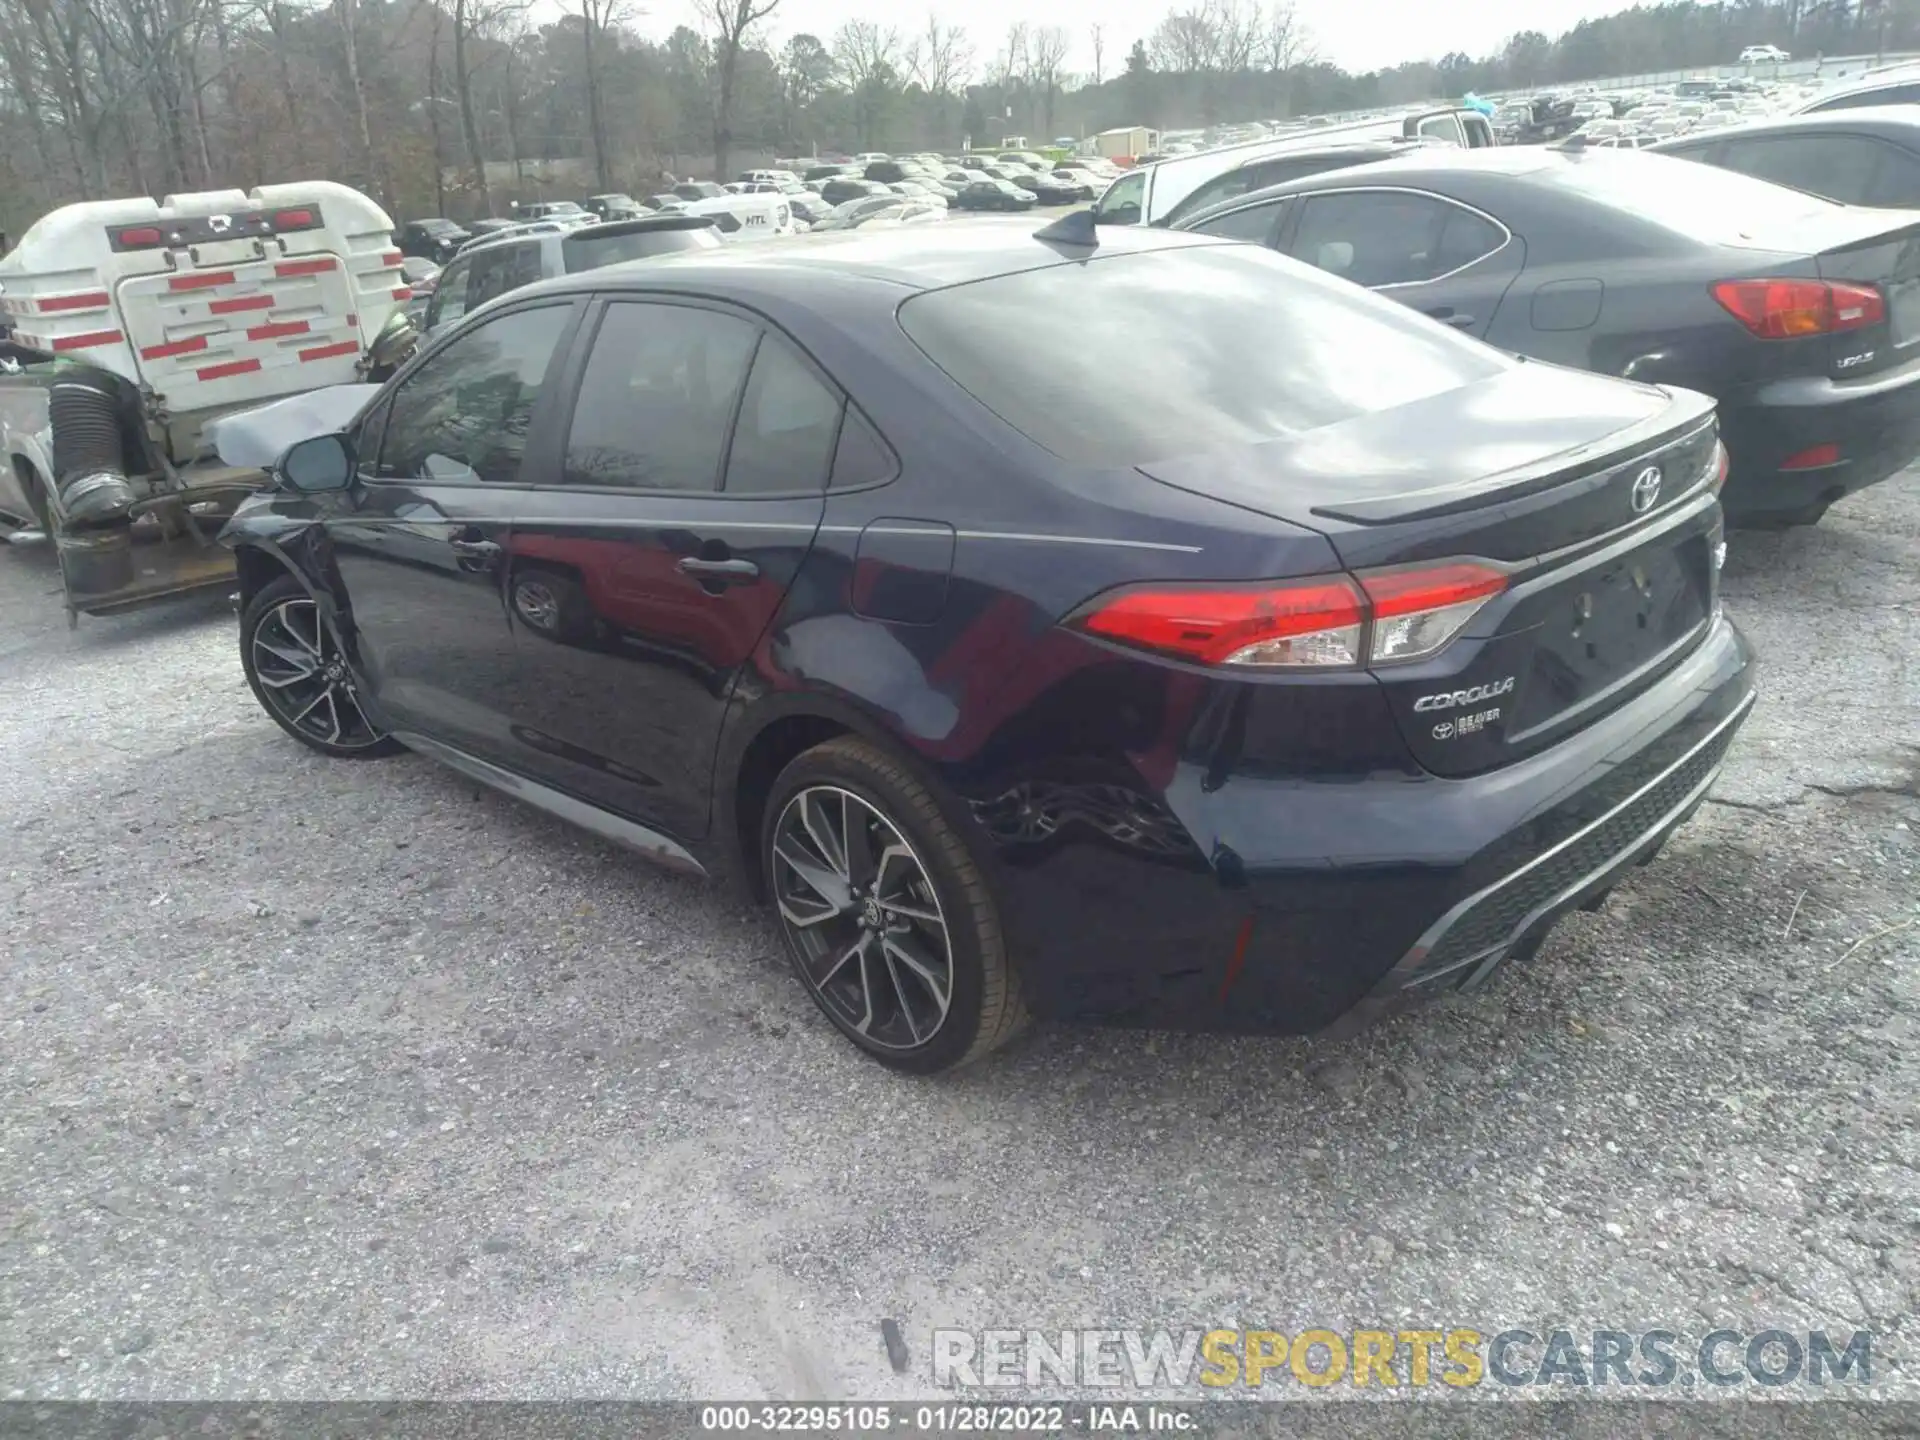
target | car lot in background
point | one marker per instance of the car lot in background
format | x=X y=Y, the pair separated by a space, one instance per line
x=1793 y=312
x=1856 y=156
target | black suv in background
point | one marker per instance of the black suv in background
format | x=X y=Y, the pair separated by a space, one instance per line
x=434 y=239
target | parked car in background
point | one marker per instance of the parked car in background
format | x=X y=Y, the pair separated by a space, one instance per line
x=987 y=194
x=919 y=190
x=1370 y=775
x=1792 y=311
x=1085 y=183
x=820 y=174
x=497 y=267
x=615 y=206
x=1763 y=55
x=1293 y=164
x=433 y=239
x=1900 y=87
x=888 y=206
x=665 y=200
x=1146 y=196
x=481 y=229
x=699 y=190
x=1047 y=188
x=1858 y=157
x=843 y=188
x=563 y=210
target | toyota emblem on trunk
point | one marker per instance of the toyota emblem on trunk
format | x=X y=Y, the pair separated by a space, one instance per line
x=1646 y=489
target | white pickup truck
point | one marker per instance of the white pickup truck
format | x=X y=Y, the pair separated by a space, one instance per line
x=134 y=325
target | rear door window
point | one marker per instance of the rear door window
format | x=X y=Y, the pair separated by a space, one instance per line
x=657 y=397
x=1390 y=237
x=1201 y=347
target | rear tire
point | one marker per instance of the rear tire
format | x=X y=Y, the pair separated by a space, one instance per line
x=294 y=664
x=888 y=921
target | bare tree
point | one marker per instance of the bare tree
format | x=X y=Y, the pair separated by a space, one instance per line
x=732 y=18
x=1046 y=55
x=866 y=56
x=1097 y=34
x=598 y=15
x=346 y=11
x=940 y=58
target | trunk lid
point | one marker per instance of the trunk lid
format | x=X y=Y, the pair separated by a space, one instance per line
x=1536 y=472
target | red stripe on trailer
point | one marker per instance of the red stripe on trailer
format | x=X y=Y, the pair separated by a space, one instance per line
x=248 y=302
x=232 y=367
x=274 y=332
x=201 y=282
x=391 y=259
x=176 y=347
x=83 y=342
x=327 y=352
x=303 y=267
x=92 y=300
x=403 y=292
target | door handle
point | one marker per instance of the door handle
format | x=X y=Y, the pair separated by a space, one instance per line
x=720 y=572
x=473 y=554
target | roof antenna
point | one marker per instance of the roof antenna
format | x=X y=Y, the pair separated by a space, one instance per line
x=1074 y=228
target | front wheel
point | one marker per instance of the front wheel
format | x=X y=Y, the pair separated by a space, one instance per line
x=887 y=918
x=298 y=674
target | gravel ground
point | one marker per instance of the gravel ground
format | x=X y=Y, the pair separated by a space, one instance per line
x=329 y=1080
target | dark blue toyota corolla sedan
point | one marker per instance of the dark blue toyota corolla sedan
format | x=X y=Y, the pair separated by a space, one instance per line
x=1156 y=631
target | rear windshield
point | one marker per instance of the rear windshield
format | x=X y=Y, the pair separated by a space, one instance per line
x=590 y=252
x=1131 y=358
x=1703 y=202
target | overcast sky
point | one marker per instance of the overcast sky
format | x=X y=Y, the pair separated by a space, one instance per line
x=1355 y=34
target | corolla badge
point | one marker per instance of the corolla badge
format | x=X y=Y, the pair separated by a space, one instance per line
x=1646 y=489
x=1453 y=699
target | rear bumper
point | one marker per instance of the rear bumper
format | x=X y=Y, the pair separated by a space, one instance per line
x=1312 y=903
x=1874 y=422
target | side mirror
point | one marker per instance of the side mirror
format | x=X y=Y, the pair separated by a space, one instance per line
x=322 y=463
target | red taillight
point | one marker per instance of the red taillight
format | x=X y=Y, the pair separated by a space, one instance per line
x=1788 y=309
x=1814 y=457
x=1321 y=622
x=1301 y=622
x=140 y=238
x=293 y=220
x=1722 y=462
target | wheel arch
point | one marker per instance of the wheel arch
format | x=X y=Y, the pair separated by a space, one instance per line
x=765 y=743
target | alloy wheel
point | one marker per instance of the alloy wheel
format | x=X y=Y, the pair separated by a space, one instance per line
x=863 y=918
x=305 y=679
x=537 y=604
